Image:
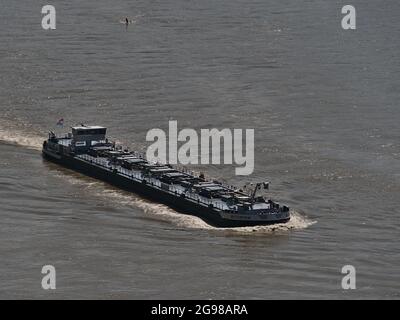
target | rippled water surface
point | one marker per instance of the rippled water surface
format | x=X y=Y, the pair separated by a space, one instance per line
x=324 y=106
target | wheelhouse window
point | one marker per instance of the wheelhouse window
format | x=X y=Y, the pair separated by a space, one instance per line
x=83 y=132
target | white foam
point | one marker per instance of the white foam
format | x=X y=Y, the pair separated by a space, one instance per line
x=165 y=213
x=20 y=137
x=297 y=222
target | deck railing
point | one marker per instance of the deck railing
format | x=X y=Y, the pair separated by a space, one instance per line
x=154 y=182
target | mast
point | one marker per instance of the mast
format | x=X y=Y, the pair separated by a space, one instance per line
x=257 y=187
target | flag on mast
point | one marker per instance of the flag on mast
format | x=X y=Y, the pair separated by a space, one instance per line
x=60 y=122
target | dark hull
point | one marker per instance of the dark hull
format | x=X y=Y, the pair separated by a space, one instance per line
x=182 y=205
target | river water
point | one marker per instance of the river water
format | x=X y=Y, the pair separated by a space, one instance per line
x=324 y=105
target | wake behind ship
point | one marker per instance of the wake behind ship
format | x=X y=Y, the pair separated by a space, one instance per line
x=87 y=150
